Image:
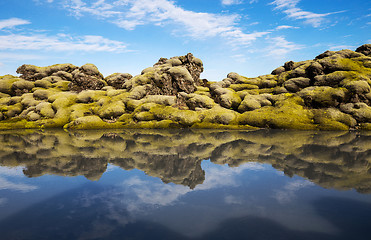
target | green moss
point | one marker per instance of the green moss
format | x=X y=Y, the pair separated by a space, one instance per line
x=219 y=115
x=183 y=117
x=131 y=105
x=43 y=83
x=365 y=126
x=288 y=113
x=28 y=100
x=23 y=84
x=62 y=85
x=208 y=125
x=160 y=99
x=45 y=109
x=42 y=94
x=112 y=110
x=323 y=96
x=358 y=87
x=6 y=84
x=13 y=110
x=81 y=110
x=202 y=89
x=199 y=101
x=32 y=116
x=18 y=124
x=88 y=122
x=332 y=119
x=138 y=92
x=240 y=87
x=228 y=98
x=144 y=116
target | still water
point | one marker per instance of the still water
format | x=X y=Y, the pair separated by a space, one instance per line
x=185 y=184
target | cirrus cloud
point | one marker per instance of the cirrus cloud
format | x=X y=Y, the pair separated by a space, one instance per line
x=129 y=14
x=12 y=22
x=290 y=8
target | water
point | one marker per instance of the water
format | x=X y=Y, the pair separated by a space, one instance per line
x=185 y=184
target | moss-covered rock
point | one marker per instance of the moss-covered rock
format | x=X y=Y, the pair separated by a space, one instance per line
x=45 y=109
x=296 y=84
x=117 y=80
x=33 y=73
x=252 y=102
x=288 y=113
x=323 y=96
x=330 y=92
x=333 y=119
x=6 y=83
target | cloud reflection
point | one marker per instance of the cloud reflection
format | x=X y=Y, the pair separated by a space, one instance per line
x=7 y=185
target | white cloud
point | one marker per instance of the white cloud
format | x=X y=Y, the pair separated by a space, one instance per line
x=288 y=193
x=129 y=14
x=340 y=47
x=7 y=56
x=5 y=184
x=286 y=27
x=4 y=171
x=231 y=2
x=253 y=1
x=280 y=47
x=289 y=7
x=12 y=22
x=233 y=200
x=60 y=42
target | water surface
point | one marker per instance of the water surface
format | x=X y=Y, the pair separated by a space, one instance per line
x=185 y=184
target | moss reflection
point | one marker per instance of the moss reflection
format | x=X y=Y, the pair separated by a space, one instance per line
x=338 y=160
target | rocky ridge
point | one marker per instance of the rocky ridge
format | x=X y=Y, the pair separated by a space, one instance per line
x=330 y=92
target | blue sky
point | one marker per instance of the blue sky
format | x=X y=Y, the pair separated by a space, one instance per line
x=250 y=37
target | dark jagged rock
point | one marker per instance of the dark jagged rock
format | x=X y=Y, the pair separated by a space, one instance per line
x=33 y=73
x=117 y=80
x=365 y=49
x=87 y=77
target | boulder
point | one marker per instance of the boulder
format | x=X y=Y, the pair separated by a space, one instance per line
x=86 y=77
x=365 y=49
x=117 y=80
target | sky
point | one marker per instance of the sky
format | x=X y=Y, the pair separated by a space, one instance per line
x=250 y=37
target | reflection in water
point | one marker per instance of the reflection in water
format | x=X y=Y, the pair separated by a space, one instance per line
x=339 y=160
x=220 y=185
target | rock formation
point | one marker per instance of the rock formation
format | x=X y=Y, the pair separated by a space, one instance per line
x=331 y=159
x=330 y=92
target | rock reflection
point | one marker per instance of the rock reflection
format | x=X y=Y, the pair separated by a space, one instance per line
x=338 y=160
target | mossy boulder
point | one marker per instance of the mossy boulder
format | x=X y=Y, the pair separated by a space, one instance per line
x=323 y=96
x=33 y=73
x=45 y=109
x=87 y=122
x=112 y=110
x=22 y=86
x=195 y=101
x=252 y=102
x=288 y=113
x=365 y=49
x=86 y=77
x=360 y=111
x=6 y=83
x=117 y=80
x=358 y=87
x=333 y=119
x=296 y=84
